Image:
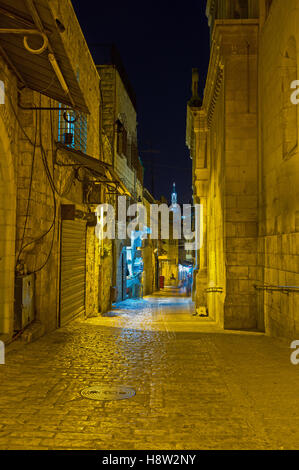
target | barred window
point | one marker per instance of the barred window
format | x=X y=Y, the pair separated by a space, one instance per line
x=72 y=129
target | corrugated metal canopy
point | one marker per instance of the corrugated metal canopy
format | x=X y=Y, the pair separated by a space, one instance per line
x=98 y=166
x=35 y=70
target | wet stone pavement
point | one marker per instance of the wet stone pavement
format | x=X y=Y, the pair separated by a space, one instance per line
x=196 y=386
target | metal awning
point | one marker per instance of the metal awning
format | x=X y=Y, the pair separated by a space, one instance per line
x=122 y=186
x=100 y=168
x=46 y=71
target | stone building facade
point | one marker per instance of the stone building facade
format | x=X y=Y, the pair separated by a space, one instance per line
x=150 y=251
x=243 y=141
x=54 y=168
x=119 y=121
x=169 y=247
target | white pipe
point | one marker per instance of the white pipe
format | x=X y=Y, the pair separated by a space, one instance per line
x=58 y=73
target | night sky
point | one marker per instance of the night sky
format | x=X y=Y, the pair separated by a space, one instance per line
x=159 y=42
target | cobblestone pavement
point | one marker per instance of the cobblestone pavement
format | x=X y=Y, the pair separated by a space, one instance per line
x=196 y=387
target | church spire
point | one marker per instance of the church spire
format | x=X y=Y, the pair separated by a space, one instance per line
x=174 y=196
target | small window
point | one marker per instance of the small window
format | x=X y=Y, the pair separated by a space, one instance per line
x=240 y=9
x=122 y=139
x=124 y=142
x=134 y=154
x=119 y=138
x=72 y=129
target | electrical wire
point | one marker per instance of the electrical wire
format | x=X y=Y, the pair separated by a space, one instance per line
x=48 y=174
x=68 y=188
x=52 y=226
x=173 y=167
x=52 y=185
x=64 y=193
x=30 y=190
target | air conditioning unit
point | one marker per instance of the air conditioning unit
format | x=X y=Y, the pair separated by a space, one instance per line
x=24 y=301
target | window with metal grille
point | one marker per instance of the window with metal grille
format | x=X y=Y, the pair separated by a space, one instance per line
x=72 y=129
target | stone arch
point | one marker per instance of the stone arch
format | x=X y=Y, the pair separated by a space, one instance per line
x=289 y=110
x=7 y=232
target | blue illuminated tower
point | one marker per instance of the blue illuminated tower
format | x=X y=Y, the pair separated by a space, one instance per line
x=174 y=196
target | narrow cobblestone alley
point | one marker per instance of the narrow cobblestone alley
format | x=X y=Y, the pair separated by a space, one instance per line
x=196 y=387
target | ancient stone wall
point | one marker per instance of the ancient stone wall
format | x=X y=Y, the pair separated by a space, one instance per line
x=8 y=150
x=279 y=169
x=42 y=182
x=215 y=213
x=241 y=176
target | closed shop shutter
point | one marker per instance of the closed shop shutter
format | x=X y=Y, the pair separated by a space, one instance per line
x=73 y=270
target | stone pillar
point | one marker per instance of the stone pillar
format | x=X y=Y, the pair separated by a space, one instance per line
x=201 y=278
x=239 y=46
x=200 y=185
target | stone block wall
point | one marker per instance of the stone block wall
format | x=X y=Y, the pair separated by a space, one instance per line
x=149 y=269
x=117 y=105
x=256 y=193
x=240 y=48
x=215 y=213
x=29 y=213
x=106 y=266
x=279 y=174
x=230 y=104
x=83 y=67
x=8 y=149
x=125 y=172
x=93 y=266
x=108 y=90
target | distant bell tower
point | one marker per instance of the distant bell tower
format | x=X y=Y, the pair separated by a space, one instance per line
x=174 y=196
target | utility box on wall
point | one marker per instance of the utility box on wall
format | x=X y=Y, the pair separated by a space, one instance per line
x=24 y=301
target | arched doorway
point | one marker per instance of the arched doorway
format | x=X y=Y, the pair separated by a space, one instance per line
x=7 y=233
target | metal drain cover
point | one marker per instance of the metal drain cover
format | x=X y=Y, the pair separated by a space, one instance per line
x=107 y=393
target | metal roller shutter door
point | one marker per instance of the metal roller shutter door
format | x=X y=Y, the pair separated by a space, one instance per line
x=73 y=270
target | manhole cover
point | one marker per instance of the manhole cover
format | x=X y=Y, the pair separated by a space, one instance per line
x=103 y=392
